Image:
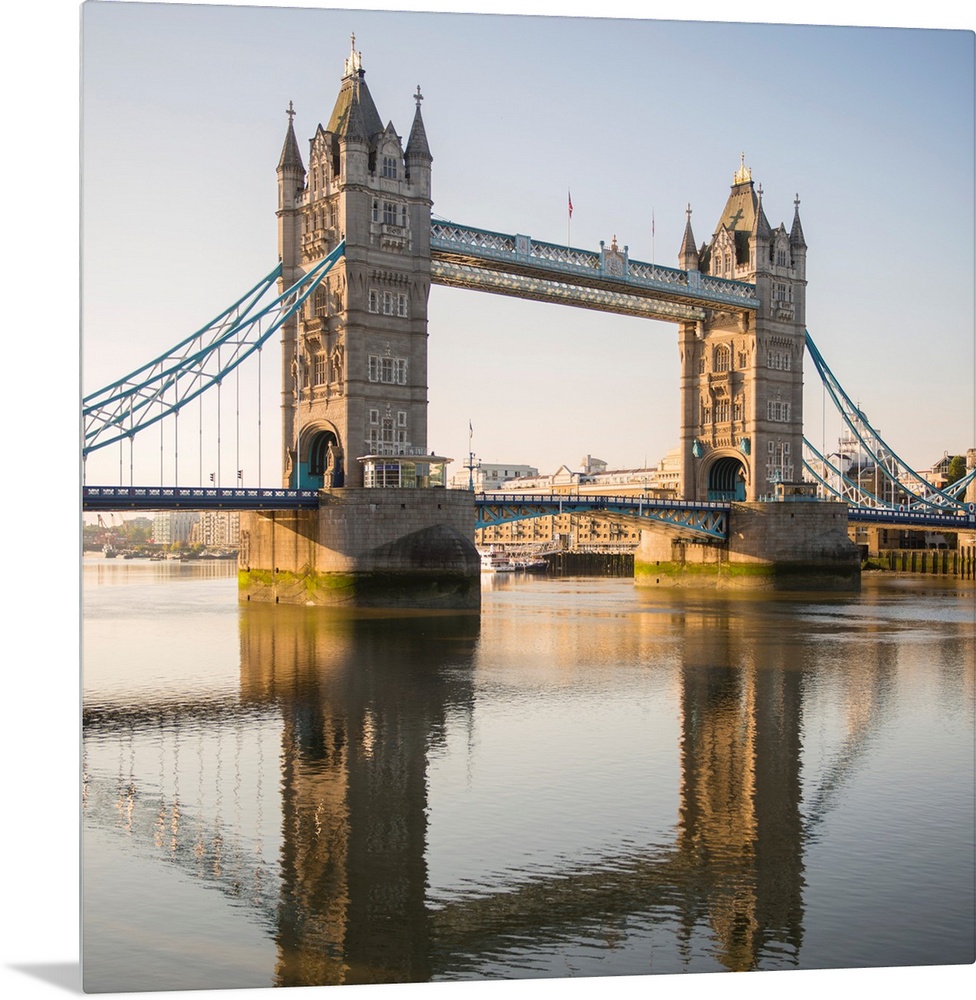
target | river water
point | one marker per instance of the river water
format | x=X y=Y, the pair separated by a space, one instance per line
x=585 y=779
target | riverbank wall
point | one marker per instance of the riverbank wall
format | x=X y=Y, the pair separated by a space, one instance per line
x=959 y=562
x=570 y=563
x=776 y=545
x=364 y=547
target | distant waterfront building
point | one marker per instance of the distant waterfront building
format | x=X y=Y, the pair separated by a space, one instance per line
x=583 y=532
x=217 y=528
x=487 y=476
x=594 y=477
x=171 y=526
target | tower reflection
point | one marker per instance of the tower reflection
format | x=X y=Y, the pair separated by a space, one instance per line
x=364 y=698
x=741 y=827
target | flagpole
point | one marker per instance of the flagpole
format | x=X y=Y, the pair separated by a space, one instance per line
x=470 y=458
x=569 y=221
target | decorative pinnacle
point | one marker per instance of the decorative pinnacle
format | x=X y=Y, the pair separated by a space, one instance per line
x=354 y=63
x=796 y=201
x=688 y=212
x=290 y=112
x=418 y=97
x=744 y=174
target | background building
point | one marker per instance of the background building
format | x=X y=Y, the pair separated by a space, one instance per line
x=171 y=526
x=217 y=529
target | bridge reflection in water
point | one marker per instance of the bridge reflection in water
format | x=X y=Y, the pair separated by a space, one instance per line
x=361 y=702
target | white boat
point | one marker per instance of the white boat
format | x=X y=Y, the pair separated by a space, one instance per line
x=494 y=561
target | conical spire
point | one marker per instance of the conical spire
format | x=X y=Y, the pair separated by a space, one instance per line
x=354 y=115
x=355 y=125
x=761 y=228
x=796 y=232
x=417 y=142
x=291 y=156
x=688 y=255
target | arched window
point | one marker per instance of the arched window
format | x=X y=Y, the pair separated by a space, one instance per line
x=721 y=359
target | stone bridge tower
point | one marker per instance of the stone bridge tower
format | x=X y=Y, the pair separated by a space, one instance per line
x=742 y=372
x=354 y=363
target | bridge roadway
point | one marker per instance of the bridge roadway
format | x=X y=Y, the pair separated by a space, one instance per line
x=704 y=518
x=710 y=519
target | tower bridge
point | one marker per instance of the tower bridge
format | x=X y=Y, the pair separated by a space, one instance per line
x=358 y=251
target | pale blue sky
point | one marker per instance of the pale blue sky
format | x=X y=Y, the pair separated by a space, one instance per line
x=873 y=128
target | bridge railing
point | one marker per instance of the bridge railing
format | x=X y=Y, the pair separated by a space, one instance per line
x=516 y=249
x=194 y=498
x=964 y=520
x=602 y=500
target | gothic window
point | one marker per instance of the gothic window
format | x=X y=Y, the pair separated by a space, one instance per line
x=781 y=258
x=321 y=367
x=392 y=371
x=741 y=360
x=722 y=411
x=376 y=211
x=738 y=409
x=701 y=365
x=778 y=464
x=779 y=360
x=389 y=166
x=401 y=305
x=722 y=359
x=374 y=416
x=374 y=300
x=777 y=410
x=389 y=213
x=388 y=300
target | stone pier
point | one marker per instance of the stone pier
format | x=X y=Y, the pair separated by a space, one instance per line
x=801 y=545
x=365 y=547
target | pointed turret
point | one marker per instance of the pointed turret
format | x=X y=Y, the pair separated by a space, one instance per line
x=291 y=157
x=796 y=232
x=761 y=228
x=688 y=255
x=761 y=237
x=417 y=156
x=417 y=148
x=291 y=181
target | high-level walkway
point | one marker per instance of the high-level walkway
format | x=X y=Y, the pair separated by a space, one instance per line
x=466 y=257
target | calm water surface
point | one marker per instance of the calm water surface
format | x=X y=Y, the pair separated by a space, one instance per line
x=586 y=779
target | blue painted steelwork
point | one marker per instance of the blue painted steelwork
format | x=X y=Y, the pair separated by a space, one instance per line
x=918 y=491
x=150 y=498
x=964 y=520
x=139 y=400
x=700 y=517
x=461 y=254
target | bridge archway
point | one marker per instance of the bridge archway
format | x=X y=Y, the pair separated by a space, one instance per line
x=725 y=479
x=323 y=465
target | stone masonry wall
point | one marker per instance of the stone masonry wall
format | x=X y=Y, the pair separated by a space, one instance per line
x=373 y=546
x=788 y=545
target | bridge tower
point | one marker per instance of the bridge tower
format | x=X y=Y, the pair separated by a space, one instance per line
x=742 y=372
x=354 y=363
